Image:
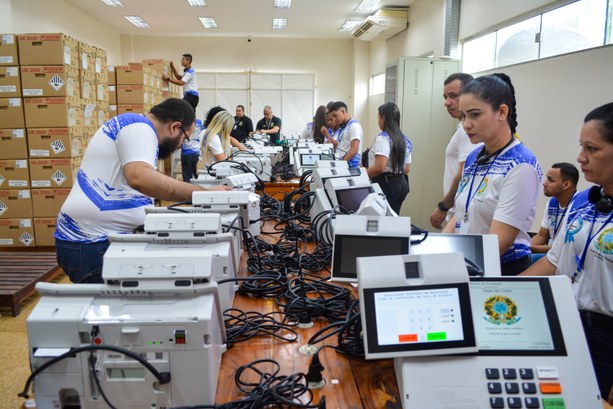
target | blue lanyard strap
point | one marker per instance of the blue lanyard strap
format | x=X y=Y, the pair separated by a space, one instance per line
x=558 y=222
x=590 y=237
x=469 y=199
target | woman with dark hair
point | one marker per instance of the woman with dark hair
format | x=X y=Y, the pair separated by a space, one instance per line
x=583 y=250
x=389 y=159
x=500 y=185
x=312 y=130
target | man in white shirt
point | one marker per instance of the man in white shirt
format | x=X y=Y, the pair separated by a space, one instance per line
x=187 y=80
x=457 y=150
x=560 y=185
x=117 y=180
x=348 y=146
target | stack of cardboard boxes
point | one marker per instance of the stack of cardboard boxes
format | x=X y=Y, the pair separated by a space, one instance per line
x=136 y=86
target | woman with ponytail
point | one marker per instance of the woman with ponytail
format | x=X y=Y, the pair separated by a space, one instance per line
x=500 y=186
x=389 y=159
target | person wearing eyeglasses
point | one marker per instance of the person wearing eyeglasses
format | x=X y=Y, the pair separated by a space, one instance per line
x=117 y=180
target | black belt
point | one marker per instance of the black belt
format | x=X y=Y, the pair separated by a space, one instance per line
x=597 y=318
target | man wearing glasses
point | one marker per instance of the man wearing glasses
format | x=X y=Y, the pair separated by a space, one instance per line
x=117 y=180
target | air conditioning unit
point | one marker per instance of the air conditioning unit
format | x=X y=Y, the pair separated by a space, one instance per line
x=382 y=25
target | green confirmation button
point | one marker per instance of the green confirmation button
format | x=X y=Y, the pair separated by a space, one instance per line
x=437 y=336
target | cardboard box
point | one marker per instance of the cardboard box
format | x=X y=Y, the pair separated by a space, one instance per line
x=48 y=202
x=53 y=112
x=113 y=110
x=14 y=174
x=90 y=112
x=50 y=81
x=102 y=88
x=112 y=94
x=10 y=83
x=160 y=66
x=132 y=74
x=88 y=84
x=87 y=57
x=11 y=113
x=53 y=172
x=44 y=229
x=56 y=142
x=103 y=113
x=13 y=144
x=15 y=204
x=111 y=74
x=133 y=94
x=100 y=66
x=48 y=49
x=9 y=54
x=90 y=131
x=134 y=108
x=16 y=233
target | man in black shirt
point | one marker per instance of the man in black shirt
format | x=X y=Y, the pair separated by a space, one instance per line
x=243 y=127
x=270 y=125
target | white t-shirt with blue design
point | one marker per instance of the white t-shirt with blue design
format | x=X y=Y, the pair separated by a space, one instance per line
x=351 y=131
x=552 y=218
x=593 y=286
x=101 y=201
x=505 y=189
x=191 y=85
x=382 y=146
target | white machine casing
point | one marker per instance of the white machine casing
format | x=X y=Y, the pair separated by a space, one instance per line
x=334 y=184
x=148 y=325
x=320 y=175
x=261 y=166
x=375 y=204
x=459 y=382
x=242 y=181
x=360 y=226
x=338 y=164
x=389 y=271
x=246 y=204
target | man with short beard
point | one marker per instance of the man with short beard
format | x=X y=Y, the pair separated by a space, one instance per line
x=117 y=180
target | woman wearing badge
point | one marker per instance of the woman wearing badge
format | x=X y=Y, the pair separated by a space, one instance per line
x=584 y=249
x=500 y=186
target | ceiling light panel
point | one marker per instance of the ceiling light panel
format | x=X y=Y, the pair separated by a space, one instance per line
x=282 y=4
x=208 y=22
x=112 y=3
x=196 y=3
x=137 y=21
x=350 y=24
x=366 y=6
x=279 y=23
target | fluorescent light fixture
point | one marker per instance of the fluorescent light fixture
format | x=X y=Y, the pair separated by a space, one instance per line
x=208 y=22
x=137 y=21
x=196 y=3
x=112 y=3
x=366 y=6
x=350 y=24
x=279 y=23
x=282 y=4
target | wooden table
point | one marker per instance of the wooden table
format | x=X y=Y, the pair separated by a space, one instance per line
x=19 y=273
x=278 y=189
x=350 y=382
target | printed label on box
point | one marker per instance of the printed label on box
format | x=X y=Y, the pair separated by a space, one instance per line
x=12 y=71
x=56 y=82
x=21 y=164
x=3 y=208
x=58 y=177
x=18 y=183
x=84 y=61
x=8 y=39
x=33 y=92
x=41 y=183
x=8 y=88
x=23 y=194
x=2 y=180
x=70 y=87
x=67 y=59
x=18 y=133
x=98 y=68
x=58 y=146
x=39 y=152
x=6 y=59
x=26 y=238
x=14 y=102
x=6 y=242
x=25 y=223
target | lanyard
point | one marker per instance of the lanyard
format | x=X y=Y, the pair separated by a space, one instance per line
x=590 y=237
x=470 y=189
x=268 y=123
x=558 y=222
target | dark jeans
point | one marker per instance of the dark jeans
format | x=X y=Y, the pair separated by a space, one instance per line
x=395 y=186
x=515 y=267
x=82 y=262
x=598 y=330
x=189 y=165
x=192 y=99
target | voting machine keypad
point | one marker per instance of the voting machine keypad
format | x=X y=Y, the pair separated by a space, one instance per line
x=524 y=388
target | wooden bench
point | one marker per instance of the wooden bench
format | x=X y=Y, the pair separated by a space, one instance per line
x=19 y=273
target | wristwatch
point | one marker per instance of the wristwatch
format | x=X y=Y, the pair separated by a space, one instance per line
x=441 y=206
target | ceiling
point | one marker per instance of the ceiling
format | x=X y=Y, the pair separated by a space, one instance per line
x=235 y=18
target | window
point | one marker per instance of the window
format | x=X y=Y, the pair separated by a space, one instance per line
x=576 y=26
x=377 y=84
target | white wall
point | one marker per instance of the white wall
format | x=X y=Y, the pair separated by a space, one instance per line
x=331 y=61
x=55 y=16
